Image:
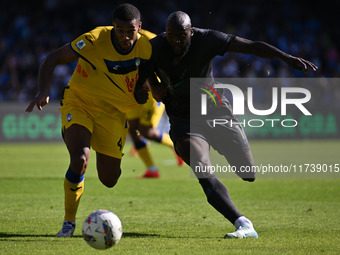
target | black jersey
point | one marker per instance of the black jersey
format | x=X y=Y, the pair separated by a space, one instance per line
x=197 y=63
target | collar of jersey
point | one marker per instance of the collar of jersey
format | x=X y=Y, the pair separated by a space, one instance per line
x=116 y=46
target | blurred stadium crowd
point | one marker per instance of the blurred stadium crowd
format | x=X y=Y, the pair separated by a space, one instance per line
x=32 y=29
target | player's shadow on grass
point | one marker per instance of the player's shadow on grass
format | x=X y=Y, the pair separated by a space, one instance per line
x=11 y=237
x=4 y=236
x=143 y=235
x=138 y=235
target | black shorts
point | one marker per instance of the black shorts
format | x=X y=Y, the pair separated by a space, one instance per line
x=225 y=138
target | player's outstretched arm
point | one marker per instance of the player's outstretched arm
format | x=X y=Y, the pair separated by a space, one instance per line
x=60 y=56
x=265 y=50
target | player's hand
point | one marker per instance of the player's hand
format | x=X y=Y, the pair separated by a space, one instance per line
x=300 y=64
x=40 y=101
x=141 y=95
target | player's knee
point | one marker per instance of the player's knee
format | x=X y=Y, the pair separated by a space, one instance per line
x=149 y=132
x=249 y=176
x=110 y=181
x=249 y=179
x=204 y=160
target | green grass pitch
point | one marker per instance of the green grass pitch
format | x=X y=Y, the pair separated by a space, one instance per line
x=170 y=215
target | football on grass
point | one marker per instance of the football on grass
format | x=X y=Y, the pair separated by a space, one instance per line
x=102 y=229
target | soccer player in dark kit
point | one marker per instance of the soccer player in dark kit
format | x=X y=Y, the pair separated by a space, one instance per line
x=184 y=52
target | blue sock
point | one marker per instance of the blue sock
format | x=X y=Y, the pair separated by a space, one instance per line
x=141 y=144
x=159 y=139
x=72 y=177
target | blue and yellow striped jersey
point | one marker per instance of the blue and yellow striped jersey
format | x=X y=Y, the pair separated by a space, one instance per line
x=102 y=73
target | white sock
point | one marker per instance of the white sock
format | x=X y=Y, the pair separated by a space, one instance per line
x=242 y=221
x=153 y=169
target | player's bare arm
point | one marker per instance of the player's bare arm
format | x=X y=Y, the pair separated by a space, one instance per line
x=60 y=56
x=265 y=50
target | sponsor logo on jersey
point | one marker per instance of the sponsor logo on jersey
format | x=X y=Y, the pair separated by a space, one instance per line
x=81 y=71
x=130 y=83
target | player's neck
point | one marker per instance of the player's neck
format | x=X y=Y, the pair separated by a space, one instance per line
x=177 y=60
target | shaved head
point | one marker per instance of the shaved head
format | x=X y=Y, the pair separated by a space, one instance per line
x=178 y=19
x=179 y=33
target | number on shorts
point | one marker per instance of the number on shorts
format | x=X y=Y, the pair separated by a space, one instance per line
x=120 y=145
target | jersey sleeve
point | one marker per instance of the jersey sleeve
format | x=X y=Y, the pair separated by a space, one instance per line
x=149 y=35
x=219 y=41
x=84 y=46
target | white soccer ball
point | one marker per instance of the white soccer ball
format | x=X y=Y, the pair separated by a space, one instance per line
x=102 y=229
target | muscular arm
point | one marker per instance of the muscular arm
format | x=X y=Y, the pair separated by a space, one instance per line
x=60 y=56
x=265 y=50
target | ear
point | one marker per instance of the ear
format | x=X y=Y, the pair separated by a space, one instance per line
x=139 y=26
x=191 y=32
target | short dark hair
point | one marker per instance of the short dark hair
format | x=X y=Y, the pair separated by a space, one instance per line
x=126 y=12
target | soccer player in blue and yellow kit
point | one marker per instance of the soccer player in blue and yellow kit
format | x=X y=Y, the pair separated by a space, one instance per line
x=96 y=100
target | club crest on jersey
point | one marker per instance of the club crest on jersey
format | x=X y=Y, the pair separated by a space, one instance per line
x=137 y=62
x=69 y=117
x=81 y=44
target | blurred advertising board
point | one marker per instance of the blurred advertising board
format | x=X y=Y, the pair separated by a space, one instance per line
x=37 y=126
